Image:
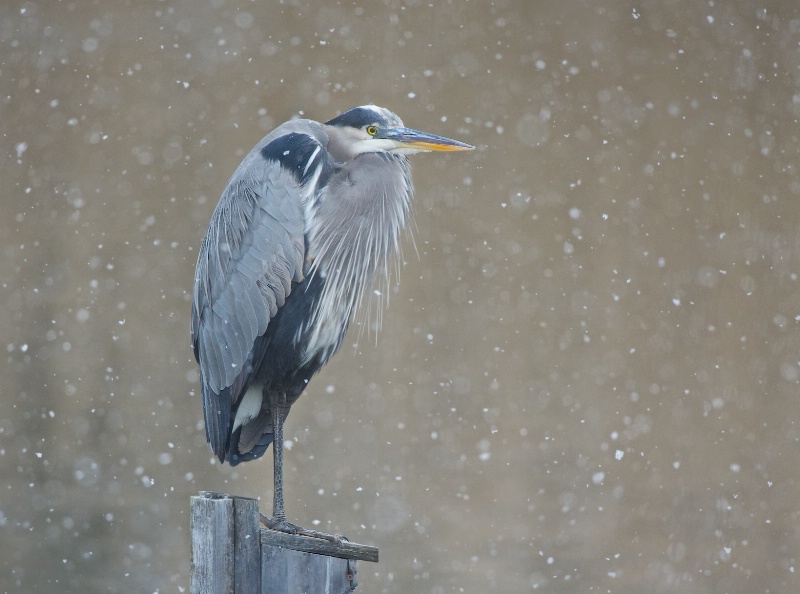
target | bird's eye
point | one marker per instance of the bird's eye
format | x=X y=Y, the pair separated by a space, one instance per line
x=372 y=130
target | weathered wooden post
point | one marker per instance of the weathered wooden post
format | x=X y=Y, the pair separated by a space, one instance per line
x=232 y=554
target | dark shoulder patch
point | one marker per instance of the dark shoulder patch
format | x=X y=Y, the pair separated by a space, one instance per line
x=298 y=153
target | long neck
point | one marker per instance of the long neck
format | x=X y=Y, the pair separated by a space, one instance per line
x=355 y=233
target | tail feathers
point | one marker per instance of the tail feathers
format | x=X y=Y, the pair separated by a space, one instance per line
x=253 y=432
x=247 y=442
x=256 y=450
x=251 y=440
x=217 y=413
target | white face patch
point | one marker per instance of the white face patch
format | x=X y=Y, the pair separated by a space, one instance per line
x=373 y=145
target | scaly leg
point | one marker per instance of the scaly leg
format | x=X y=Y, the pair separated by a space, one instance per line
x=279 y=522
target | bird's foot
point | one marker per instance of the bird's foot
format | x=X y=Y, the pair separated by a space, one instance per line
x=283 y=525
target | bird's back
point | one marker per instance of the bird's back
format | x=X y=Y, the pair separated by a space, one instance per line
x=252 y=256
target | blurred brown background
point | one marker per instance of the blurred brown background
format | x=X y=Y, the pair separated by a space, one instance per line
x=587 y=380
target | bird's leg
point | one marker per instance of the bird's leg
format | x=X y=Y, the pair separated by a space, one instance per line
x=278 y=521
x=278 y=410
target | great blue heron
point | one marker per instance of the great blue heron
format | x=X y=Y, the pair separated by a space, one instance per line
x=308 y=222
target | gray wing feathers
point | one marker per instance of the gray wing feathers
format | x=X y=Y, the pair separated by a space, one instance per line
x=253 y=252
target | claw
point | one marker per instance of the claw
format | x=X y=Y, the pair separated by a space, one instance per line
x=289 y=528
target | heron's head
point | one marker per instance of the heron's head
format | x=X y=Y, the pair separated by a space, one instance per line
x=373 y=129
